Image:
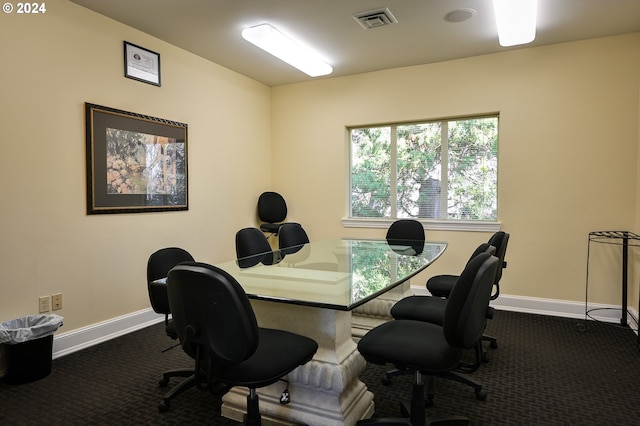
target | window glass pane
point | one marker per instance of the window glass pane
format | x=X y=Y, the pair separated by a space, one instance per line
x=473 y=169
x=418 y=170
x=371 y=172
x=445 y=169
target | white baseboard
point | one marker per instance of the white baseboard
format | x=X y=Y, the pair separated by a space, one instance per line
x=81 y=338
x=565 y=308
x=75 y=340
x=556 y=308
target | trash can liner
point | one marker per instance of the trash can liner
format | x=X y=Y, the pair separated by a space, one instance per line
x=29 y=328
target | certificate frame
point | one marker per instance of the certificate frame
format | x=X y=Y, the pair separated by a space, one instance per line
x=141 y=64
x=134 y=163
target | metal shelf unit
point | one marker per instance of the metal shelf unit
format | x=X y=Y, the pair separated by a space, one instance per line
x=625 y=239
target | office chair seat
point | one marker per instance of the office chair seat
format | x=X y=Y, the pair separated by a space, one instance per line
x=267 y=365
x=420 y=308
x=441 y=285
x=383 y=344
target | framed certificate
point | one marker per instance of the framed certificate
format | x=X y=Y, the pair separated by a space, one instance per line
x=141 y=64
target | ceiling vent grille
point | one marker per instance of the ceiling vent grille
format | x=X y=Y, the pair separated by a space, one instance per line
x=375 y=18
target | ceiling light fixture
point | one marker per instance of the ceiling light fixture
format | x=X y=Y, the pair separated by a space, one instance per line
x=516 y=20
x=282 y=47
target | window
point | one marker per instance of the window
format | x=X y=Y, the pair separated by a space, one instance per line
x=444 y=170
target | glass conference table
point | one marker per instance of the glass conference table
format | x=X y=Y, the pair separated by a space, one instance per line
x=313 y=290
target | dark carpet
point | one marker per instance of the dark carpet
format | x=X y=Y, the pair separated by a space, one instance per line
x=544 y=372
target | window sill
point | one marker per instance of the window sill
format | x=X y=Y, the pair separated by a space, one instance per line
x=430 y=224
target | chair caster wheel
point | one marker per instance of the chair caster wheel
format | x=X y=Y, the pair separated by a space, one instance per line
x=493 y=344
x=163 y=382
x=386 y=381
x=485 y=357
x=163 y=407
x=481 y=395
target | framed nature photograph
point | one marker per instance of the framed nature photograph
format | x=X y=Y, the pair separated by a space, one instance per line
x=141 y=64
x=135 y=163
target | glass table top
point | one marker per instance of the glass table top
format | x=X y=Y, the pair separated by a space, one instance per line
x=339 y=274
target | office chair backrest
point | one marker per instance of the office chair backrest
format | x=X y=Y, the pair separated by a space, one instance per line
x=250 y=242
x=271 y=207
x=500 y=240
x=403 y=230
x=465 y=314
x=483 y=248
x=158 y=266
x=291 y=235
x=212 y=312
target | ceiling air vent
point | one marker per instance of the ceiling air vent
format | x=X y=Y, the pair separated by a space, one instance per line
x=375 y=18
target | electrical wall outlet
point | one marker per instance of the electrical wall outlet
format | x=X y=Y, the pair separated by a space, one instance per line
x=43 y=304
x=56 y=301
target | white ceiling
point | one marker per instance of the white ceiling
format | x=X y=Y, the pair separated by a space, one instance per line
x=211 y=29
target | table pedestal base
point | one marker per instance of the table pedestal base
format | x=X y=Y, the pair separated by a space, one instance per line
x=377 y=311
x=324 y=392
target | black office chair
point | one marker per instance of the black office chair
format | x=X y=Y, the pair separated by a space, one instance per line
x=272 y=211
x=433 y=350
x=217 y=327
x=441 y=285
x=406 y=233
x=158 y=266
x=431 y=309
x=291 y=238
x=251 y=242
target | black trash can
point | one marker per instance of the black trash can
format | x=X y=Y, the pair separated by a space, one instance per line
x=26 y=345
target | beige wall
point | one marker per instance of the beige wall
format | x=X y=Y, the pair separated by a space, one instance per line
x=568 y=152
x=51 y=64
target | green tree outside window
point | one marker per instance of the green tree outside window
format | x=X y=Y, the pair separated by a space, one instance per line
x=444 y=169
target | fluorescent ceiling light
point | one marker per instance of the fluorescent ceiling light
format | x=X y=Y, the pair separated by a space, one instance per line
x=271 y=40
x=516 y=20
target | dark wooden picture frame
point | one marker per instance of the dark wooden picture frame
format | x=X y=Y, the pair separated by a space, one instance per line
x=141 y=64
x=135 y=163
